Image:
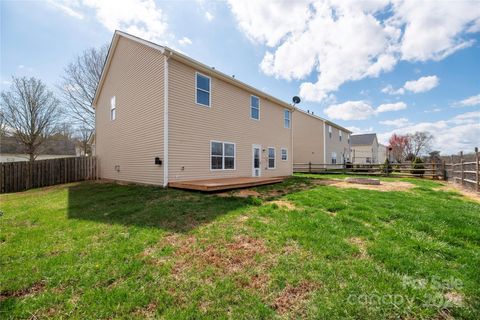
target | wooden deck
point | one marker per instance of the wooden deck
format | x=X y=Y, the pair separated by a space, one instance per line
x=224 y=183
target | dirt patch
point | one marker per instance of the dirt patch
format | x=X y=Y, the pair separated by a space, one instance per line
x=361 y=245
x=283 y=204
x=450 y=187
x=292 y=298
x=242 y=193
x=147 y=312
x=454 y=297
x=384 y=186
x=23 y=293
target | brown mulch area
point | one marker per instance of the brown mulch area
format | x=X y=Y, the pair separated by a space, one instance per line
x=22 y=293
x=293 y=298
x=384 y=186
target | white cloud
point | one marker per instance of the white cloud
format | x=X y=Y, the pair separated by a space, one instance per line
x=357 y=130
x=209 y=16
x=350 y=110
x=468 y=102
x=328 y=37
x=400 y=122
x=360 y=110
x=62 y=5
x=390 y=90
x=185 y=41
x=422 y=84
x=450 y=136
x=391 y=107
x=142 y=18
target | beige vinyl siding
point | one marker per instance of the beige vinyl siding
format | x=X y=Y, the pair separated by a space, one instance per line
x=307 y=138
x=335 y=145
x=135 y=137
x=193 y=126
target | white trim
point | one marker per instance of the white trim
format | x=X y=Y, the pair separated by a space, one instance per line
x=209 y=92
x=289 y=118
x=281 y=154
x=251 y=107
x=113 y=108
x=165 y=122
x=259 y=147
x=274 y=158
x=223 y=156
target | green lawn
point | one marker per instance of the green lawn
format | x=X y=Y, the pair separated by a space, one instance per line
x=93 y=250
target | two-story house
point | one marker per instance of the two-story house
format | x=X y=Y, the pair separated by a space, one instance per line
x=163 y=117
x=364 y=148
x=319 y=141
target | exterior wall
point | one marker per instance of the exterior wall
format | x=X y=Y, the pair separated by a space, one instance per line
x=193 y=126
x=133 y=140
x=333 y=144
x=382 y=153
x=360 y=153
x=308 y=137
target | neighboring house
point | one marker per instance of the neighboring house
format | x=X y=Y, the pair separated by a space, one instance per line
x=318 y=140
x=382 y=153
x=163 y=117
x=364 y=148
x=12 y=150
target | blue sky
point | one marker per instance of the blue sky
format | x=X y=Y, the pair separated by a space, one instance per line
x=372 y=66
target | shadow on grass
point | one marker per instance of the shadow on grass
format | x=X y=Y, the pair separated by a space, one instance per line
x=148 y=206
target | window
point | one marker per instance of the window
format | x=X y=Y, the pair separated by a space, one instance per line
x=203 y=89
x=254 y=107
x=340 y=135
x=334 y=157
x=113 y=112
x=348 y=137
x=286 y=117
x=330 y=132
x=222 y=156
x=284 y=154
x=271 y=158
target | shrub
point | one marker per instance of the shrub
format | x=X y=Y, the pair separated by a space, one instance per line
x=417 y=165
x=387 y=167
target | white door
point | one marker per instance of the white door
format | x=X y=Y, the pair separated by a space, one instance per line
x=256 y=160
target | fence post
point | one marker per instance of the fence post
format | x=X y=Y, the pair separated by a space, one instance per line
x=309 y=167
x=477 y=175
x=461 y=167
x=434 y=170
x=444 y=171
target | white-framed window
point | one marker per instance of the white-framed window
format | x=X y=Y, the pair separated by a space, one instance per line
x=203 y=89
x=334 y=157
x=284 y=154
x=330 y=132
x=255 y=107
x=222 y=155
x=368 y=160
x=286 y=118
x=271 y=158
x=113 y=108
x=340 y=135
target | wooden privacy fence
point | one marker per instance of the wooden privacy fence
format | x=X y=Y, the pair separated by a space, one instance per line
x=465 y=171
x=432 y=170
x=24 y=175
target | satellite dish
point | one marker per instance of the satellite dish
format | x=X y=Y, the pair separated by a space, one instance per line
x=296 y=100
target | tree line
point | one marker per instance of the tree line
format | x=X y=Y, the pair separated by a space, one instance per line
x=32 y=113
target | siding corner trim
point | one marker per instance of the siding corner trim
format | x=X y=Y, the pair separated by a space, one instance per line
x=165 y=121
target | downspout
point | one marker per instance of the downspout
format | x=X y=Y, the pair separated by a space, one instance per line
x=324 y=144
x=291 y=153
x=165 y=120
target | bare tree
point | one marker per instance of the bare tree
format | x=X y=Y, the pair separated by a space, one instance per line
x=83 y=136
x=79 y=84
x=420 y=143
x=31 y=112
x=3 y=124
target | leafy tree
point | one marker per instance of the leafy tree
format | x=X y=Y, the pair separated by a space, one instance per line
x=417 y=165
x=31 y=112
x=399 y=145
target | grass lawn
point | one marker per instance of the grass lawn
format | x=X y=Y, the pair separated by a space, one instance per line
x=300 y=249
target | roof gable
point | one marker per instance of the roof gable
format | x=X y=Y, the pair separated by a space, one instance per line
x=363 y=139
